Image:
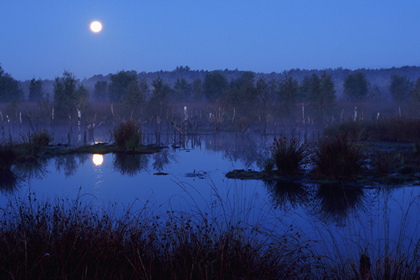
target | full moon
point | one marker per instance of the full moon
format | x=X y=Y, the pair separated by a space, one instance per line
x=97 y=159
x=96 y=26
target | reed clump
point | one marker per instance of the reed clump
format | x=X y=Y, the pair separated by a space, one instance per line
x=36 y=142
x=128 y=135
x=338 y=157
x=289 y=155
x=40 y=139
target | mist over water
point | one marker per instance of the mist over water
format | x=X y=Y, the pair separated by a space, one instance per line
x=192 y=178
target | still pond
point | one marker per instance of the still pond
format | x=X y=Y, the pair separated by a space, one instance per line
x=191 y=177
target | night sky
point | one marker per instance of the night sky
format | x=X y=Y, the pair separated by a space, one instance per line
x=41 y=39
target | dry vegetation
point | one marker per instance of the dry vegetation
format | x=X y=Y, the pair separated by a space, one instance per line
x=67 y=239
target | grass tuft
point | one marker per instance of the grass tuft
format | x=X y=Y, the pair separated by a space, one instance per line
x=40 y=139
x=338 y=157
x=289 y=155
x=128 y=135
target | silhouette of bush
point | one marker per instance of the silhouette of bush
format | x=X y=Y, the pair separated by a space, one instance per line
x=40 y=139
x=128 y=135
x=338 y=157
x=33 y=143
x=289 y=155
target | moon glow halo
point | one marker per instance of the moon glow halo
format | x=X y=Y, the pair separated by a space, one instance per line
x=96 y=26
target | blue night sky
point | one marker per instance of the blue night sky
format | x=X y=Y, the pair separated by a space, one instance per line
x=41 y=39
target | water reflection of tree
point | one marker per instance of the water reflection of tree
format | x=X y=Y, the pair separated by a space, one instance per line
x=11 y=177
x=163 y=158
x=287 y=195
x=70 y=163
x=130 y=164
x=8 y=180
x=246 y=148
x=31 y=169
x=195 y=140
x=336 y=203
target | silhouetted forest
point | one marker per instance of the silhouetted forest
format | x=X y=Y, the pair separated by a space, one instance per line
x=378 y=79
x=228 y=96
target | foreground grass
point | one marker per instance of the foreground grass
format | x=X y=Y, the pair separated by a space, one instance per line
x=66 y=239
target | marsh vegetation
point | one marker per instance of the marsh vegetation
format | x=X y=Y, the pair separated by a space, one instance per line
x=329 y=169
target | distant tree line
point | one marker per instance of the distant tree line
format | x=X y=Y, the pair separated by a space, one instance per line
x=10 y=90
x=315 y=93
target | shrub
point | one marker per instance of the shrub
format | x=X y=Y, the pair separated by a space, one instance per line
x=338 y=157
x=33 y=143
x=127 y=135
x=289 y=155
x=40 y=139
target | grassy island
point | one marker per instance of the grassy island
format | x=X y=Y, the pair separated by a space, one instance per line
x=386 y=152
x=127 y=140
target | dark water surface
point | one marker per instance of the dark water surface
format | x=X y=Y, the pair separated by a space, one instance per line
x=337 y=222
